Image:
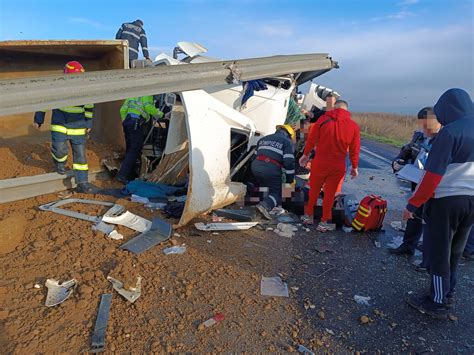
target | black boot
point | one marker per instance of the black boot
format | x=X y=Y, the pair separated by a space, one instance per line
x=86 y=188
x=427 y=306
x=263 y=210
x=403 y=249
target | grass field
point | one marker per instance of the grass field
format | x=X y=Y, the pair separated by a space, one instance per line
x=387 y=128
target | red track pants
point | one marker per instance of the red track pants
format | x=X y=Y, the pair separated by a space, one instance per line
x=329 y=176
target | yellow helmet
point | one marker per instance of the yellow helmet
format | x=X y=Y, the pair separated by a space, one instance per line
x=287 y=128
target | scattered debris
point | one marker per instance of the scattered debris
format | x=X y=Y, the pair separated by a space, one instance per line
x=285 y=230
x=225 y=226
x=131 y=294
x=215 y=233
x=321 y=315
x=129 y=220
x=452 y=317
x=276 y=211
x=156 y=205
x=242 y=215
x=363 y=300
x=115 y=235
x=177 y=235
x=329 y=331
x=347 y=229
x=304 y=350
x=377 y=244
x=287 y=218
x=174 y=250
x=37 y=286
x=58 y=293
x=217 y=218
x=396 y=242
x=398 y=225
x=294 y=288
x=218 y=317
x=157 y=233
x=98 y=337
x=364 y=320
x=273 y=286
x=64 y=194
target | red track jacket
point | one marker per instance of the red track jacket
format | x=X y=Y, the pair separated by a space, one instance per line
x=333 y=135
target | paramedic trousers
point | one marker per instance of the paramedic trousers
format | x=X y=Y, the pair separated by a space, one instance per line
x=329 y=176
x=133 y=131
x=60 y=149
x=268 y=176
x=448 y=224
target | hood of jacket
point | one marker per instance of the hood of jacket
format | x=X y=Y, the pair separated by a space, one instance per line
x=339 y=114
x=453 y=105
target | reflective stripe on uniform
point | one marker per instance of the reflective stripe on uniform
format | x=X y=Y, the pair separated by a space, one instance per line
x=80 y=166
x=68 y=131
x=131 y=34
x=59 y=160
x=89 y=106
x=132 y=49
x=72 y=109
x=88 y=114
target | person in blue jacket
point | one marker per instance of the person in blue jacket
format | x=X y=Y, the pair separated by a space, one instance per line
x=134 y=33
x=70 y=124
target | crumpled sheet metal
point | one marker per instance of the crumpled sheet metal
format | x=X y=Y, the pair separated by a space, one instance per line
x=234 y=226
x=58 y=293
x=130 y=295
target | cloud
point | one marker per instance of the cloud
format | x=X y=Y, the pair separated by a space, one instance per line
x=91 y=23
x=400 y=15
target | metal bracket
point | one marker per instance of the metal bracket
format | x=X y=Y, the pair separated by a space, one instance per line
x=98 y=338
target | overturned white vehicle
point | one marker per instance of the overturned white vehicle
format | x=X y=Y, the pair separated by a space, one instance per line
x=213 y=131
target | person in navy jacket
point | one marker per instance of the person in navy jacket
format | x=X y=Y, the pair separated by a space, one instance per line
x=447 y=189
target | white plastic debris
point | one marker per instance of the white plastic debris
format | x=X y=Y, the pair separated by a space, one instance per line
x=329 y=331
x=37 y=286
x=131 y=294
x=396 y=242
x=139 y=199
x=177 y=235
x=398 y=225
x=58 y=293
x=347 y=229
x=274 y=287
x=285 y=230
x=363 y=300
x=225 y=226
x=377 y=244
x=115 y=235
x=129 y=220
x=174 y=250
x=156 y=205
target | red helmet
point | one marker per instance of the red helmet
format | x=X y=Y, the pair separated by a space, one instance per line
x=73 y=67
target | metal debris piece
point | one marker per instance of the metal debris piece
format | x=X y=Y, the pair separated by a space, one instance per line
x=225 y=226
x=398 y=225
x=98 y=337
x=115 y=235
x=304 y=350
x=243 y=215
x=129 y=220
x=103 y=227
x=131 y=294
x=58 y=293
x=273 y=286
x=174 y=250
x=159 y=232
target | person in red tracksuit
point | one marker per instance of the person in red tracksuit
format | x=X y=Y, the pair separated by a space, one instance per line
x=333 y=136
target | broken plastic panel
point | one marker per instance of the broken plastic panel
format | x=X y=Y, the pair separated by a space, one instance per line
x=273 y=286
x=158 y=232
x=129 y=220
x=225 y=226
x=131 y=294
x=58 y=293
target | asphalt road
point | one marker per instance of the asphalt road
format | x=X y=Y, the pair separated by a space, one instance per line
x=332 y=268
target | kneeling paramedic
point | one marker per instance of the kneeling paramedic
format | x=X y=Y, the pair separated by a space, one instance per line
x=275 y=156
x=135 y=112
x=70 y=124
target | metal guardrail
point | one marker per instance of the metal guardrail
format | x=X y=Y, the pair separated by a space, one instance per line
x=48 y=92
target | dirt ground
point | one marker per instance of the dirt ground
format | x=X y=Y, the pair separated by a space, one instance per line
x=218 y=273
x=23 y=159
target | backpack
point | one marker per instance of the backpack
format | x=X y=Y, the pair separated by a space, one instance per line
x=349 y=205
x=370 y=214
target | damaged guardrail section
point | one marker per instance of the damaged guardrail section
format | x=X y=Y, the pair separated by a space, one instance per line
x=32 y=94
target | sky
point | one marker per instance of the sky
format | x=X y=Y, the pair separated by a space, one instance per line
x=394 y=55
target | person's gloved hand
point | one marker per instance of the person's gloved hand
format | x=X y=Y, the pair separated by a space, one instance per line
x=398 y=164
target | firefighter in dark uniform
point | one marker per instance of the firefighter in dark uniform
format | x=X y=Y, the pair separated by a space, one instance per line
x=70 y=124
x=275 y=156
x=135 y=35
